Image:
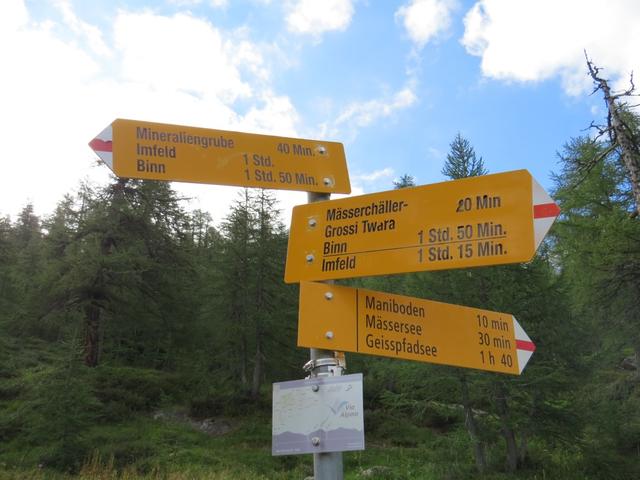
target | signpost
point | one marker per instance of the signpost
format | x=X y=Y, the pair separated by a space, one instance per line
x=477 y=221
x=155 y=151
x=375 y=323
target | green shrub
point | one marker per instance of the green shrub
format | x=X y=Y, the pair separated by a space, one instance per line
x=223 y=401
x=58 y=410
x=125 y=390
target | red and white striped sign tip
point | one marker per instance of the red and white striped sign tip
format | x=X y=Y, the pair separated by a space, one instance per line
x=524 y=346
x=103 y=146
x=545 y=211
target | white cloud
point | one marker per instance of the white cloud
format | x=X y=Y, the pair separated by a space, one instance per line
x=276 y=114
x=193 y=3
x=248 y=56
x=315 y=17
x=44 y=98
x=14 y=16
x=366 y=182
x=185 y=3
x=362 y=114
x=375 y=175
x=424 y=20
x=57 y=92
x=92 y=34
x=177 y=53
x=533 y=40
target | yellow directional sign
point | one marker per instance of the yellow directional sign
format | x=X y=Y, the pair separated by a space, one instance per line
x=358 y=320
x=155 y=151
x=477 y=221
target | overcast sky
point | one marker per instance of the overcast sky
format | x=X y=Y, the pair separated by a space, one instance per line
x=394 y=81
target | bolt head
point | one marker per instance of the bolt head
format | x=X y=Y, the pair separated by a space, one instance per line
x=327 y=182
x=315 y=441
x=310 y=258
x=328 y=295
x=315 y=388
x=312 y=222
x=329 y=335
x=321 y=150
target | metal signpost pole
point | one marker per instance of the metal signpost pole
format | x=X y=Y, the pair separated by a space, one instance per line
x=326 y=466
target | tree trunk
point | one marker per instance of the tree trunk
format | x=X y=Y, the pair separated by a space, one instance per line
x=620 y=133
x=257 y=369
x=243 y=362
x=93 y=311
x=92 y=335
x=524 y=448
x=472 y=427
x=506 y=430
x=630 y=155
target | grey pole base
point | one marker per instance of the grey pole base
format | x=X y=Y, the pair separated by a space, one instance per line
x=327 y=466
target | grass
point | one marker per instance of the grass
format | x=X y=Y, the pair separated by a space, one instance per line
x=148 y=449
x=128 y=443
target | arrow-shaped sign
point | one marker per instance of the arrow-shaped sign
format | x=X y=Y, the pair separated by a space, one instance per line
x=155 y=151
x=364 y=321
x=478 y=221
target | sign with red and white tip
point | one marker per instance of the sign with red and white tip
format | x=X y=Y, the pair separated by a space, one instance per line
x=472 y=222
x=357 y=320
x=156 y=151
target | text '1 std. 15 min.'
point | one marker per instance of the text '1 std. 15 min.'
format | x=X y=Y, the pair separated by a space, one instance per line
x=479 y=221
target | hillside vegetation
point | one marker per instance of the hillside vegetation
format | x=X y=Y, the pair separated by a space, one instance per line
x=140 y=340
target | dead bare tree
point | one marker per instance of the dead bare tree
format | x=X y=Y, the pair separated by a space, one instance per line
x=623 y=136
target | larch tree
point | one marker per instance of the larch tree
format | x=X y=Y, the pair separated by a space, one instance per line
x=122 y=271
x=7 y=259
x=598 y=254
x=235 y=292
x=25 y=273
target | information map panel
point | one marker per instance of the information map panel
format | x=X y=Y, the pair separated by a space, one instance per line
x=315 y=415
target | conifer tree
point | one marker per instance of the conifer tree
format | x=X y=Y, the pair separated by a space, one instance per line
x=26 y=242
x=7 y=258
x=462 y=161
x=235 y=293
x=255 y=302
x=404 y=181
x=597 y=247
x=123 y=262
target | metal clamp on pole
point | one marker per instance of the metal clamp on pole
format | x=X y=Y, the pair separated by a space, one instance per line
x=324 y=367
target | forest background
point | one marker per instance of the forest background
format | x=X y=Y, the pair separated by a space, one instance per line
x=126 y=320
